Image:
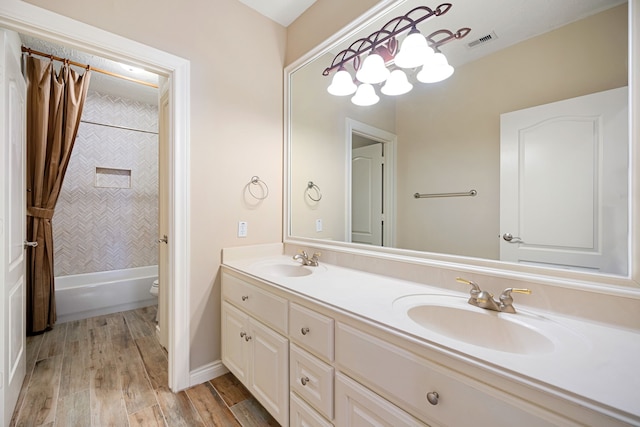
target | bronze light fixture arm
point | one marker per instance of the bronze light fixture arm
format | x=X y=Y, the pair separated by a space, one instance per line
x=384 y=40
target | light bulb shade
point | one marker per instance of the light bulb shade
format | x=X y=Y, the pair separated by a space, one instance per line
x=435 y=70
x=396 y=84
x=414 y=52
x=365 y=95
x=373 y=70
x=342 y=84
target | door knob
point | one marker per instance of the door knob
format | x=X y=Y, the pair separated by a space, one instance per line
x=30 y=244
x=164 y=239
x=511 y=238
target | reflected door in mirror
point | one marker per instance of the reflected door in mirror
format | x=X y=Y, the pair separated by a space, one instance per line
x=366 y=194
x=563 y=190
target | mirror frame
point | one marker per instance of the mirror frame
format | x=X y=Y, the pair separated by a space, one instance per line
x=611 y=284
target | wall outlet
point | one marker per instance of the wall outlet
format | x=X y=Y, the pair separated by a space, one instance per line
x=242 y=229
x=318 y=225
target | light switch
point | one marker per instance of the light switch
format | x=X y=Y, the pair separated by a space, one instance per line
x=242 y=229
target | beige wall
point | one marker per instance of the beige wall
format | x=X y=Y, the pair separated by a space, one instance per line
x=322 y=20
x=236 y=59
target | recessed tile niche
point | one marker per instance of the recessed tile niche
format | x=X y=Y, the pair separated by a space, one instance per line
x=113 y=178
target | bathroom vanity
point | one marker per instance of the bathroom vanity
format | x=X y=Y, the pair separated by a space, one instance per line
x=335 y=345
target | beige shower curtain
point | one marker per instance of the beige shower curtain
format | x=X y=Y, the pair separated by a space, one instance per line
x=54 y=108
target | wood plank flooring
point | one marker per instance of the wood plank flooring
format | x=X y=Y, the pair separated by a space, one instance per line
x=111 y=371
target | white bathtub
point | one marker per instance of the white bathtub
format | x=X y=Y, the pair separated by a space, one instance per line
x=92 y=294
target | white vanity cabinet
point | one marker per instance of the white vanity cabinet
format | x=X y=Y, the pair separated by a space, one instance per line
x=312 y=363
x=255 y=353
x=429 y=391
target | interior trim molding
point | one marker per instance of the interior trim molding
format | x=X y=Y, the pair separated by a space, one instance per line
x=25 y=18
x=208 y=372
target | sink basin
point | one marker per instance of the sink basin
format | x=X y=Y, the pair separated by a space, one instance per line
x=453 y=318
x=282 y=268
x=285 y=270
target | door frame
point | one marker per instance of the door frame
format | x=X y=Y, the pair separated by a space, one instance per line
x=28 y=19
x=389 y=142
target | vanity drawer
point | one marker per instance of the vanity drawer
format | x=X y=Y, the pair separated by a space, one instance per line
x=312 y=379
x=406 y=379
x=311 y=330
x=264 y=306
x=358 y=406
x=303 y=415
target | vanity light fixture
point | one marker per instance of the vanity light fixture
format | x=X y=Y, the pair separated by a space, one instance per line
x=384 y=63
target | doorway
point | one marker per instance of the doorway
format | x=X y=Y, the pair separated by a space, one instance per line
x=371 y=202
x=49 y=26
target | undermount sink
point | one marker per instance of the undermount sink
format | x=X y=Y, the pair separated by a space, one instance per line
x=285 y=269
x=452 y=317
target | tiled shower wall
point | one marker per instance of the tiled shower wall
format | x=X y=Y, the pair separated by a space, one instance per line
x=106 y=217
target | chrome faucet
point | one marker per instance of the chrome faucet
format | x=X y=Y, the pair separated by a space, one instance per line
x=484 y=299
x=302 y=256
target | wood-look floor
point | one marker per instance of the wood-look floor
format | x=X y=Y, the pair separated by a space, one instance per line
x=111 y=371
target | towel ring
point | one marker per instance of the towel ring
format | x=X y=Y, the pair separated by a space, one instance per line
x=260 y=183
x=312 y=186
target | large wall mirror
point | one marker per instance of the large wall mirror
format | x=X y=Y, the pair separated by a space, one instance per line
x=520 y=158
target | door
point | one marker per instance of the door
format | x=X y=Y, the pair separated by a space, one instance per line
x=12 y=224
x=163 y=211
x=564 y=183
x=366 y=194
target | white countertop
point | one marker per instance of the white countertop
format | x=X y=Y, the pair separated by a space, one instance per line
x=595 y=361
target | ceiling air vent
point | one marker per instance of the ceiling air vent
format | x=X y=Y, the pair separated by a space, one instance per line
x=483 y=40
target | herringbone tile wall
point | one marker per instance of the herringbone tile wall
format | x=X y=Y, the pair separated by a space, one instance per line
x=101 y=229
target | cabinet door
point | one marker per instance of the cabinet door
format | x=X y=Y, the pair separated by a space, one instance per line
x=235 y=347
x=357 y=406
x=269 y=379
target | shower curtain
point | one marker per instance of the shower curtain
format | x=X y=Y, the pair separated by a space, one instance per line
x=54 y=107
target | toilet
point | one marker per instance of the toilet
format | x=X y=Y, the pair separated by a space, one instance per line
x=154 y=291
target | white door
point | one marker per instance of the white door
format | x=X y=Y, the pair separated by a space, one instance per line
x=366 y=194
x=564 y=183
x=12 y=224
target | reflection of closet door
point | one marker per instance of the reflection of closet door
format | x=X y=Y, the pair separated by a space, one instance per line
x=366 y=194
x=564 y=183
x=13 y=222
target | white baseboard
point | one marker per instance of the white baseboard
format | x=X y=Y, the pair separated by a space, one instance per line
x=207 y=372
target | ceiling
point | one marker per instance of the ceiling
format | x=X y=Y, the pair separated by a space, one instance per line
x=510 y=20
x=284 y=12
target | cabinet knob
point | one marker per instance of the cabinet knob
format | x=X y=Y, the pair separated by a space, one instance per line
x=247 y=337
x=245 y=297
x=242 y=334
x=304 y=380
x=433 y=397
x=304 y=331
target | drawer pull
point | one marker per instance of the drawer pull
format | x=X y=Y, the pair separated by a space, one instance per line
x=245 y=297
x=304 y=331
x=304 y=380
x=433 y=397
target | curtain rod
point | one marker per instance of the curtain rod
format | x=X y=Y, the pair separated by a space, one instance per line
x=118 y=127
x=87 y=66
